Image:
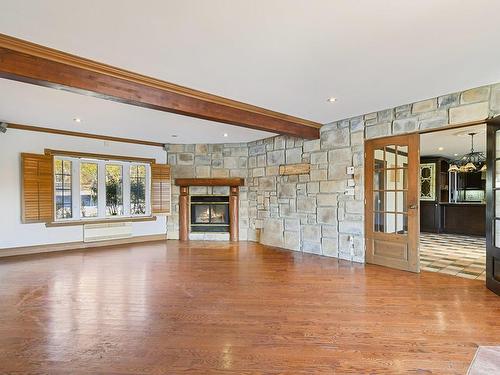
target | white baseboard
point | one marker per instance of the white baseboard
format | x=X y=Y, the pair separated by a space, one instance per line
x=40 y=249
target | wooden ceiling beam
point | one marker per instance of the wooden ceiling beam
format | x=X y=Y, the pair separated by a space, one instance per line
x=28 y=62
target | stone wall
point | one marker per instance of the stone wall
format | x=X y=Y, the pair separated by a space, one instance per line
x=215 y=161
x=311 y=212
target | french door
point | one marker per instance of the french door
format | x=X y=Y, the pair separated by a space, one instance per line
x=391 y=202
x=493 y=206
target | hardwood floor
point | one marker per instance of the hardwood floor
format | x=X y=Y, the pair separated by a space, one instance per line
x=171 y=307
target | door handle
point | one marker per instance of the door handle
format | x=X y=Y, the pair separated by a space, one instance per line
x=412 y=206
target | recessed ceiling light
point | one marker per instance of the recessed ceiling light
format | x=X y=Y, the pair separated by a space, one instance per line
x=441 y=148
x=174 y=135
x=455 y=154
x=331 y=100
x=77 y=119
x=225 y=134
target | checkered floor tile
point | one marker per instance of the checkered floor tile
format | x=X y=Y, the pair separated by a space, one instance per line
x=453 y=254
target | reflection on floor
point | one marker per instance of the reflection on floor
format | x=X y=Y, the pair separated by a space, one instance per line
x=453 y=254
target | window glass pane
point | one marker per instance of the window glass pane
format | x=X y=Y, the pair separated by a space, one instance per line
x=390 y=201
x=378 y=222
x=390 y=223
x=390 y=182
x=401 y=201
x=378 y=180
x=138 y=189
x=114 y=190
x=378 y=203
x=378 y=156
x=401 y=224
x=497 y=174
x=497 y=233
x=402 y=156
x=390 y=156
x=88 y=189
x=63 y=193
x=497 y=203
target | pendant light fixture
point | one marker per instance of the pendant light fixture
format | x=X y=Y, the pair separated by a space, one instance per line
x=471 y=162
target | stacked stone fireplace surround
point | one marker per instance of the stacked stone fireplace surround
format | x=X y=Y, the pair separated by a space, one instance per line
x=310 y=212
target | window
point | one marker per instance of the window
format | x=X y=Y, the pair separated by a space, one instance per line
x=114 y=190
x=63 y=182
x=87 y=189
x=137 y=189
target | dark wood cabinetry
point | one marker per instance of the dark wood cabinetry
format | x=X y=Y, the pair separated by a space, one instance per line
x=430 y=212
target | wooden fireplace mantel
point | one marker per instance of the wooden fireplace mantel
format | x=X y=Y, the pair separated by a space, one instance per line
x=210 y=181
x=233 y=183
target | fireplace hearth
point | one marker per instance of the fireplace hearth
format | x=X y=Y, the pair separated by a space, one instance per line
x=209 y=213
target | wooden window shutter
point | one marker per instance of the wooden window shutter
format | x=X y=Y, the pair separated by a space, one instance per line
x=160 y=189
x=37 y=188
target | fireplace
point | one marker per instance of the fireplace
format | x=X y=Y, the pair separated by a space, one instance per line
x=215 y=219
x=209 y=213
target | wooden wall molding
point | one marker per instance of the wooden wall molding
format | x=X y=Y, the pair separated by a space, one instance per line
x=235 y=181
x=40 y=249
x=83 y=135
x=76 y=154
x=24 y=61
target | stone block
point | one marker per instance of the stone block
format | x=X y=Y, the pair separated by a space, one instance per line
x=185 y=159
x=351 y=227
x=385 y=115
x=332 y=186
x=335 y=138
x=272 y=233
x=327 y=215
x=198 y=190
x=319 y=174
x=337 y=172
x=329 y=247
x=327 y=199
x=262 y=160
x=183 y=171
x=275 y=157
x=292 y=241
x=311 y=233
x=357 y=139
x=287 y=190
x=319 y=157
x=329 y=231
x=220 y=173
x=311 y=146
x=231 y=162
x=478 y=94
x=357 y=124
x=203 y=171
x=258 y=172
x=201 y=149
x=341 y=155
x=311 y=247
x=425 y=106
x=380 y=130
x=495 y=99
x=279 y=142
x=267 y=183
x=313 y=187
x=449 y=100
x=294 y=155
x=405 y=125
x=292 y=225
x=355 y=207
x=306 y=204
x=469 y=112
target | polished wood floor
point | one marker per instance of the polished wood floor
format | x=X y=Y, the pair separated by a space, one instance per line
x=203 y=308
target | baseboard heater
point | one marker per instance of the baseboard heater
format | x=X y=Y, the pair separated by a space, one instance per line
x=106 y=231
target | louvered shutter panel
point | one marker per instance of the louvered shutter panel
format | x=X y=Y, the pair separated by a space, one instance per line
x=160 y=189
x=37 y=188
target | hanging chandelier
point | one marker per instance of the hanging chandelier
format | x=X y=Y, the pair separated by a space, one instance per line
x=471 y=162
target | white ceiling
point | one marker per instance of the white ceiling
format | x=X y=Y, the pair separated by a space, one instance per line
x=455 y=142
x=285 y=55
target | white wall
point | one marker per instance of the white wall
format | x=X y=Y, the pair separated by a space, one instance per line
x=12 y=232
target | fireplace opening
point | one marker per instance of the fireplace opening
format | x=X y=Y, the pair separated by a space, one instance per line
x=209 y=213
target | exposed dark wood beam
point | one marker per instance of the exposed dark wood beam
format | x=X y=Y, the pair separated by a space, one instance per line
x=28 y=62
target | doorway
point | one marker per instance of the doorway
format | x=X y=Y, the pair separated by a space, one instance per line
x=453 y=202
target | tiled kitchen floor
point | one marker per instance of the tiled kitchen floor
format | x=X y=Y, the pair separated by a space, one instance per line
x=453 y=254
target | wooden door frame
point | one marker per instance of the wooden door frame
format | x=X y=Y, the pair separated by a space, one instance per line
x=414 y=214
